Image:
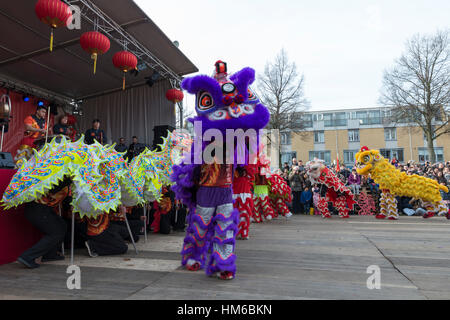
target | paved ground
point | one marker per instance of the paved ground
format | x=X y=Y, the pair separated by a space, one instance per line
x=304 y=258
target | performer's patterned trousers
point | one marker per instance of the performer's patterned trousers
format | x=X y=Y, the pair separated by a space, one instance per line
x=339 y=204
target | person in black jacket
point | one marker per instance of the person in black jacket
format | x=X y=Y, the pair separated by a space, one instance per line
x=41 y=215
x=134 y=149
x=296 y=183
x=95 y=133
x=61 y=128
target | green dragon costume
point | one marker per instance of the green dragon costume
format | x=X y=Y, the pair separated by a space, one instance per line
x=102 y=179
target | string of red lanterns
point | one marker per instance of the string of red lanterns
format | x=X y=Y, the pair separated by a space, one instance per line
x=56 y=13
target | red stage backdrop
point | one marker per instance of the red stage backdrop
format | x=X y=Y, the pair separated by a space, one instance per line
x=16 y=233
x=20 y=110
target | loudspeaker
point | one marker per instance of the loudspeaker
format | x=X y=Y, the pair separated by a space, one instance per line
x=6 y=161
x=159 y=133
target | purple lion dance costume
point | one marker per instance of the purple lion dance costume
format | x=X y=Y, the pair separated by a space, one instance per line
x=222 y=103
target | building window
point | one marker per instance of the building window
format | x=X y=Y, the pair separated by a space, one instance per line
x=390 y=134
x=362 y=117
x=374 y=117
x=393 y=153
x=317 y=117
x=340 y=119
x=307 y=121
x=424 y=156
x=287 y=157
x=323 y=155
x=349 y=157
x=319 y=137
x=285 y=138
x=328 y=118
x=353 y=135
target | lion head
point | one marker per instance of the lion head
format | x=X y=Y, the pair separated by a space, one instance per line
x=314 y=169
x=366 y=160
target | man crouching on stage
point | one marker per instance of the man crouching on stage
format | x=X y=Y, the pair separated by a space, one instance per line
x=41 y=214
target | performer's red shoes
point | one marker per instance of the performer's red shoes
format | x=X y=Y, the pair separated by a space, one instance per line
x=448 y=215
x=392 y=218
x=194 y=267
x=326 y=216
x=380 y=216
x=226 y=275
x=345 y=217
x=428 y=215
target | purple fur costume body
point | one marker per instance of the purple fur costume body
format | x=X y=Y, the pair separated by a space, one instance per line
x=222 y=103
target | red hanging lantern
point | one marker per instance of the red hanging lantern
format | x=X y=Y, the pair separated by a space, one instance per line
x=125 y=61
x=55 y=13
x=96 y=44
x=174 y=95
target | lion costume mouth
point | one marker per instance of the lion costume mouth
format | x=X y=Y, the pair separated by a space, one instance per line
x=363 y=169
x=230 y=113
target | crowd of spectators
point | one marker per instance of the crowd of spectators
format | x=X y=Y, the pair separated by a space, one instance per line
x=295 y=175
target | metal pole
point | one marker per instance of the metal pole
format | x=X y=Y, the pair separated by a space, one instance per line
x=335 y=124
x=131 y=234
x=3 y=132
x=410 y=143
x=176 y=214
x=62 y=245
x=72 y=239
x=145 y=222
x=48 y=124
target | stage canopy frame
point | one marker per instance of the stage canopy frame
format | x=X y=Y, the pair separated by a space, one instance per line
x=65 y=74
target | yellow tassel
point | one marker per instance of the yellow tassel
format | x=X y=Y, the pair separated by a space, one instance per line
x=95 y=62
x=123 y=85
x=51 y=41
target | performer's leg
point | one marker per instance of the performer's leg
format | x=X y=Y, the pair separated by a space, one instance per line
x=195 y=242
x=430 y=207
x=383 y=206
x=441 y=208
x=244 y=217
x=109 y=242
x=341 y=205
x=51 y=225
x=273 y=204
x=267 y=209
x=283 y=208
x=223 y=257
x=322 y=205
x=257 y=209
x=392 y=210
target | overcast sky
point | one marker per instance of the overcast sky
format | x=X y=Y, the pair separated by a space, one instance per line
x=342 y=47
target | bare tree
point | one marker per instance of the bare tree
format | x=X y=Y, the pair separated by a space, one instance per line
x=418 y=86
x=281 y=90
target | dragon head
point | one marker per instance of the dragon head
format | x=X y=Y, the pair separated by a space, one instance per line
x=227 y=102
x=366 y=160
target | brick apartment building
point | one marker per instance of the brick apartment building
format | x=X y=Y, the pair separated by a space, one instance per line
x=327 y=133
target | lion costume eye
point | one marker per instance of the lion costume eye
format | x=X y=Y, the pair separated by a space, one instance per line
x=366 y=158
x=205 y=101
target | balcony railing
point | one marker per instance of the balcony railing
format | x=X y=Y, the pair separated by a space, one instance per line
x=336 y=123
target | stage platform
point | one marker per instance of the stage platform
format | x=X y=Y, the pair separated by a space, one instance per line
x=303 y=258
x=16 y=233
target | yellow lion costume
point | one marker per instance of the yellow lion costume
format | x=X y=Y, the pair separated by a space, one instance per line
x=393 y=183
